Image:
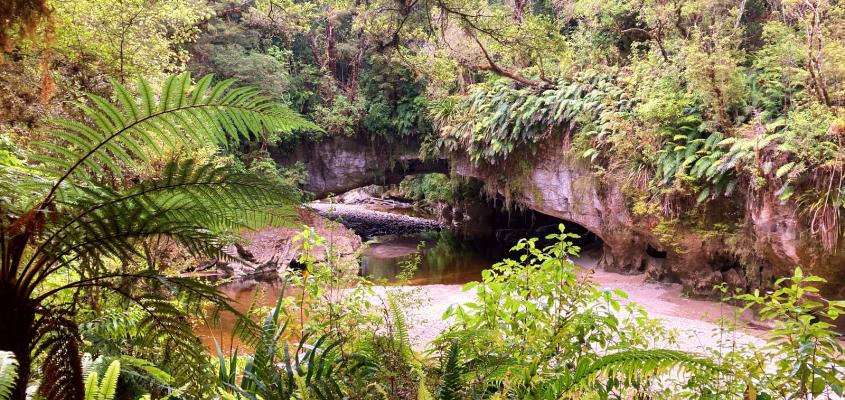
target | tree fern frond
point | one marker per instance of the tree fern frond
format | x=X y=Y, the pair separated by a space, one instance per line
x=62 y=365
x=8 y=373
x=635 y=365
x=182 y=115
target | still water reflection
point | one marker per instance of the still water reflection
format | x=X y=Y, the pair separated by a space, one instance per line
x=445 y=257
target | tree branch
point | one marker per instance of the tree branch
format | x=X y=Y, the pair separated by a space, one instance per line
x=502 y=71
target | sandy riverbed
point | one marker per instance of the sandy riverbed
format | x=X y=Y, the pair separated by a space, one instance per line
x=696 y=322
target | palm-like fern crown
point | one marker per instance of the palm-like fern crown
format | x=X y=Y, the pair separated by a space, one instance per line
x=191 y=203
x=133 y=129
x=76 y=214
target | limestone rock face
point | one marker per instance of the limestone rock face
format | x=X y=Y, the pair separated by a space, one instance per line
x=773 y=242
x=338 y=164
x=566 y=189
x=783 y=240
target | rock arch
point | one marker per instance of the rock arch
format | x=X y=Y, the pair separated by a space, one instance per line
x=338 y=164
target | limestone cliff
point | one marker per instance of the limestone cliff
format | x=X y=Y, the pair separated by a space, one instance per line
x=745 y=248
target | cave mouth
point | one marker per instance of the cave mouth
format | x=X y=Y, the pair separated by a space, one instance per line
x=478 y=218
x=654 y=253
x=509 y=227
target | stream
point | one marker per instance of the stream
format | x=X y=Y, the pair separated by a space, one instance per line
x=448 y=260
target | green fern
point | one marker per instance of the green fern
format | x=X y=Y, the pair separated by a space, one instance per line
x=497 y=118
x=184 y=115
x=8 y=373
x=79 y=218
x=105 y=389
x=276 y=371
x=397 y=317
x=451 y=387
x=632 y=366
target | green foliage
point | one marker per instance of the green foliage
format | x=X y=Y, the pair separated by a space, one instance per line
x=808 y=355
x=128 y=38
x=431 y=188
x=183 y=115
x=691 y=154
x=634 y=365
x=8 y=373
x=450 y=389
x=535 y=320
x=278 y=371
x=75 y=226
x=496 y=118
x=105 y=389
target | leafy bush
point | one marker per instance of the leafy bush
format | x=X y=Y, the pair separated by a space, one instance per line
x=808 y=356
x=539 y=330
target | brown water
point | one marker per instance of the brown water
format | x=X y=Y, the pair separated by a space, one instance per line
x=445 y=258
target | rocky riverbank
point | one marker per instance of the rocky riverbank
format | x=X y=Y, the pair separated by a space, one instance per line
x=267 y=252
x=368 y=223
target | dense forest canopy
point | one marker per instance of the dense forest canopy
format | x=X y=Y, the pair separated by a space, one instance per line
x=137 y=141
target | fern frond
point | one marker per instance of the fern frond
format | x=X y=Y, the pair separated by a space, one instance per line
x=133 y=129
x=108 y=386
x=400 y=327
x=636 y=365
x=8 y=373
x=194 y=205
x=451 y=387
x=92 y=386
x=62 y=365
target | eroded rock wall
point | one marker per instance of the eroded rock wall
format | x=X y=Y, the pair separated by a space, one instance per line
x=338 y=164
x=768 y=241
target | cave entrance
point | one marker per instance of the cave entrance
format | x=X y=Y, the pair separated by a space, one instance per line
x=508 y=227
x=474 y=231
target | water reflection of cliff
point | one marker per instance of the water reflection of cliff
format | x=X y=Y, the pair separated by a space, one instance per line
x=445 y=257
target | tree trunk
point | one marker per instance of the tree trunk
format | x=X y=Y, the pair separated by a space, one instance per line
x=17 y=320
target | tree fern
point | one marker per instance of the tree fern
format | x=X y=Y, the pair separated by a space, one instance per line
x=79 y=217
x=184 y=115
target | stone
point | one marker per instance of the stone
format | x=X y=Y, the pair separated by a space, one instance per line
x=735 y=279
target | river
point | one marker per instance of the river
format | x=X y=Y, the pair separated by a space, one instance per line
x=448 y=260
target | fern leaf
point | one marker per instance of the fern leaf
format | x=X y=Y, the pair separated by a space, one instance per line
x=108 y=386
x=92 y=386
x=183 y=115
x=8 y=373
x=633 y=365
x=451 y=387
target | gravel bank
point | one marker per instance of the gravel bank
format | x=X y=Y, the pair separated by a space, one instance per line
x=370 y=223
